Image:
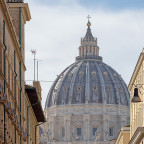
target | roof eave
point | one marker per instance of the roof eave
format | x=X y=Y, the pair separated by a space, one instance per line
x=31 y=91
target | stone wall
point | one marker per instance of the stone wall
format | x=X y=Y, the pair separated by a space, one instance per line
x=86 y=117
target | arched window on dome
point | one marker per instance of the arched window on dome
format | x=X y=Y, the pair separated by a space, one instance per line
x=122 y=96
x=64 y=94
x=95 y=94
x=70 y=75
x=105 y=74
x=93 y=73
x=81 y=75
x=54 y=96
x=115 y=74
x=110 y=95
x=79 y=94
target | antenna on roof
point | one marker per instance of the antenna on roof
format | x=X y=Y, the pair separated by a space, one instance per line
x=34 y=53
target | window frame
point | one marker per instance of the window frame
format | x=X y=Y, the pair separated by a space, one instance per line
x=63 y=131
x=111 y=131
x=93 y=131
x=79 y=131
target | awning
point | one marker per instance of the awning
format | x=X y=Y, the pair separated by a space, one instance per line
x=35 y=103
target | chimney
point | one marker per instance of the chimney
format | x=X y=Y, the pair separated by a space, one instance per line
x=37 y=85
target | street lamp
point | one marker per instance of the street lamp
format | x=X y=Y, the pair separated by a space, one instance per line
x=136 y=97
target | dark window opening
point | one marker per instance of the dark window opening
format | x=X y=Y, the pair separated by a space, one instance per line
x=94 y=131
x=78 y=131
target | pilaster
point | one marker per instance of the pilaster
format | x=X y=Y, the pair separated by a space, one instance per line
x=122 y=121
x=67 y=125
x=52 y=126
x=105 y=127
x=87 y=132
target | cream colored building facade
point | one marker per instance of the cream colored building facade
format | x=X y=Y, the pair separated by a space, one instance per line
x=137 y=109
x=124 y=135
x=136 y=133
x=18 y=118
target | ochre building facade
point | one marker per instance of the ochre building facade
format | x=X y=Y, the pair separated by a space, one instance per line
x=18 y=103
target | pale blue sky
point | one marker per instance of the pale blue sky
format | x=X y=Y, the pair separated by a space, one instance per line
x=57 y=26
x=110 y=4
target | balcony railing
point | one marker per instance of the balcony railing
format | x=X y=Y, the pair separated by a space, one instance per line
x=15 y=1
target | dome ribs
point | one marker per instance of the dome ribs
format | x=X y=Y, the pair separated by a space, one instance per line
x=114 y=86
x=80 y=85
x=94 y=84
x=87 y=83
x=50 y=100
x=125 y=96
x=62 y=98
x=102 y=83
x=88 y=80
x=72 y=83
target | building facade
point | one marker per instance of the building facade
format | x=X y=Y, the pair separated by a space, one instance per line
x=88 y=102
x=124 y=135
x=15 y=101
x=136 y=88
x=137 y=107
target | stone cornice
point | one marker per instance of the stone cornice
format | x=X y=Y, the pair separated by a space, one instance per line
x=25 y=9
x=89 y=105
x=12 y=31
x=121 y=133
x=136 y=70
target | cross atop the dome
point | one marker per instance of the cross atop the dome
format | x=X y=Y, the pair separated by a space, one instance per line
x=88 y=17
x=88 y=24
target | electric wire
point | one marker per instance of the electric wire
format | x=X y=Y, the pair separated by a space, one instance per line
x=61 y=81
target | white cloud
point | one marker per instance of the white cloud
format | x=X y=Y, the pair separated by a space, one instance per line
x=55 y=32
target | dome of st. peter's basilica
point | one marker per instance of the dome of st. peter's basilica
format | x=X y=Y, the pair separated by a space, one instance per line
x=88 y=101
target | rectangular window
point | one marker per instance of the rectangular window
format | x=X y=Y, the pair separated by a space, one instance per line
x=111 y=131
x=78 y=131
x=63 y=132
x=94 y=131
